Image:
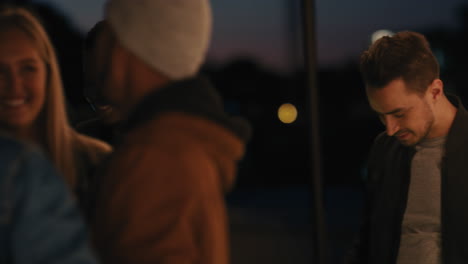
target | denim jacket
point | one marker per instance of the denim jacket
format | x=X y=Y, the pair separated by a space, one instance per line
x=39 y=221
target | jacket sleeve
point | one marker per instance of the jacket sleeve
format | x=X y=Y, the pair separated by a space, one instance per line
x=359 y=251
x=161 y=207
x=47 y=225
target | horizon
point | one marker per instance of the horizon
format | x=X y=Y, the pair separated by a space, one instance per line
x=274 y=40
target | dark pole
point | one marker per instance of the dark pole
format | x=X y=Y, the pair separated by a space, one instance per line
x=310 y=55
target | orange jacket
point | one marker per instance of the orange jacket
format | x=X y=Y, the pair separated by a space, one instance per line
x=161 y=198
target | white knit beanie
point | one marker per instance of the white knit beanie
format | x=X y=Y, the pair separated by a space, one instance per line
x=172 y=36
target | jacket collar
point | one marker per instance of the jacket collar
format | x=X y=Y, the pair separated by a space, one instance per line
x=195 y=96
x=458 y=132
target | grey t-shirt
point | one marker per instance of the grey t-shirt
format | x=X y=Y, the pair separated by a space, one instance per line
x=420 y=231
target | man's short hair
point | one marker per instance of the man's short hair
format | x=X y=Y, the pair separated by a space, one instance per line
x=406 y=55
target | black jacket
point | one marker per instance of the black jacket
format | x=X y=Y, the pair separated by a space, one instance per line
x=387 y=190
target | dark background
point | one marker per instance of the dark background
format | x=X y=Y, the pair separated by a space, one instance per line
x=270 y=208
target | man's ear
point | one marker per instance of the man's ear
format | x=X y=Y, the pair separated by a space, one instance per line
x=436 y=89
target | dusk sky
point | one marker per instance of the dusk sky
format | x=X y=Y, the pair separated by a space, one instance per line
x=263 y=29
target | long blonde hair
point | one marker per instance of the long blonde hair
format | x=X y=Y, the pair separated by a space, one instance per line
x=58 y=133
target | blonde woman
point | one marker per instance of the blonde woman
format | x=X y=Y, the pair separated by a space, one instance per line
x=32 y=104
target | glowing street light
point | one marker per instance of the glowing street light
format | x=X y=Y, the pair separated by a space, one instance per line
x=381 y=33
x=287 y=113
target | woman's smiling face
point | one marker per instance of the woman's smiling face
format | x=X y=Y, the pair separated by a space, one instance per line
x=23 y=75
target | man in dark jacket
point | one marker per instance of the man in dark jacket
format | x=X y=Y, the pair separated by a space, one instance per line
x=161 y=196
x=417 y=171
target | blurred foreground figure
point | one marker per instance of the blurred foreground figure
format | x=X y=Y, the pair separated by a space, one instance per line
x=32 y=104
x=417 y=171
x=39 y=221
x=161 y=198
x=105 y=124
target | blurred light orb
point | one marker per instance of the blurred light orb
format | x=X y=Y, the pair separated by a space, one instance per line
x=287 y=113
x=381 y=33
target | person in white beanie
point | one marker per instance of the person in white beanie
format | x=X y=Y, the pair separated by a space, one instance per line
x=160 y=198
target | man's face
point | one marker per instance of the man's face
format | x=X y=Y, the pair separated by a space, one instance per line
x=101 y=85
x=408 y=116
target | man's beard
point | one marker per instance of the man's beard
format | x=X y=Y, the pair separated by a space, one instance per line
x=427 y=128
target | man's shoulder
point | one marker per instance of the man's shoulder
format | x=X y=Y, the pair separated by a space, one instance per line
x=383 y=140
x=384 y=148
